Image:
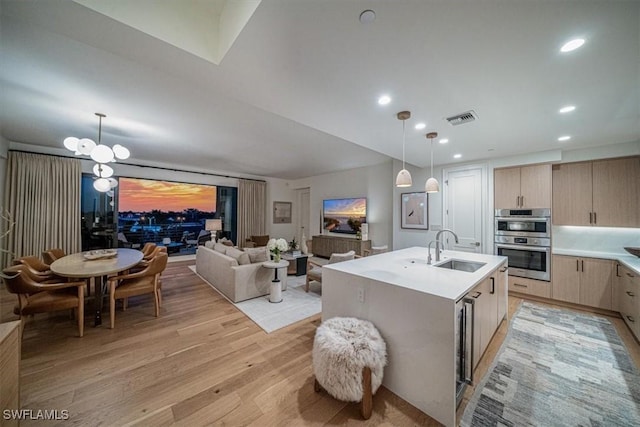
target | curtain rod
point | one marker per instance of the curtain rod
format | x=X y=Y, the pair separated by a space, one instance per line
x=144 y=166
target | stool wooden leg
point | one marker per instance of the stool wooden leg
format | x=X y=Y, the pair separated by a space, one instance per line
x=367 y=398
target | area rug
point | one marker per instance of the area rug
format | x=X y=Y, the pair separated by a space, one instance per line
x=558 y=368
x=296 y=305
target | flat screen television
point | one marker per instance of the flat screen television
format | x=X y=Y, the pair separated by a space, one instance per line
x=344 y=215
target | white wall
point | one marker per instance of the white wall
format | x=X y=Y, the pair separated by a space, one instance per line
x=373 y=182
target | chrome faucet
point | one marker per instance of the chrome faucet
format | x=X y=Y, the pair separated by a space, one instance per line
x=439 y=243
x=429 y=250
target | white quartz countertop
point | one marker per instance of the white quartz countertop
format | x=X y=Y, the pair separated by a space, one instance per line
x=628 y=260
x=408 y=268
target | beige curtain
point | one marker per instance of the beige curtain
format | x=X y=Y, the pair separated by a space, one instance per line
x=252 y=209
x=42 y=195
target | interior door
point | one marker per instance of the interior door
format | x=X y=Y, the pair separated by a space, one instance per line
x=464 y=208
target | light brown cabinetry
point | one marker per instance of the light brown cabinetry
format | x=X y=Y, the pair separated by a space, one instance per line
x=521 y=285
x=600 y=193
x=628 y=298
x=523 y=187
x=324 y=246
x=585 y=281
x=485 y=320
x=502 y=280
x=10 y=369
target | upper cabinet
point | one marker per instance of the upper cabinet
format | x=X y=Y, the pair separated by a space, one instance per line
x=602 y=193
x=525 y=187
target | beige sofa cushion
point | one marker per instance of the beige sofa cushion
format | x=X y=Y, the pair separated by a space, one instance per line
x=240 y=256
x=347 y=256
x=257 y=254
x=219 y=247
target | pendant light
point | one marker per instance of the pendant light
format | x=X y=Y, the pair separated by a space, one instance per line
x=432 y=186
x=404 y=177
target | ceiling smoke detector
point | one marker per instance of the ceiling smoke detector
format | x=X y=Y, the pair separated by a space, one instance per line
x=462 y=118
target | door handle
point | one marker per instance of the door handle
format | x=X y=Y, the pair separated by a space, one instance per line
x=590 y=217
x=517 y=201
x=631 y=319
x=631 y=294
x=630 y=275
x=582 y=265
x=595 y=218
x=493 y=285
x=475 y=243
x=522 y=201
x=476 y=295
x=617 y=270
x=502 y=270
x=577 y=265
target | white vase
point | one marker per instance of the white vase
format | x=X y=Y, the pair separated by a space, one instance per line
x=303 y=244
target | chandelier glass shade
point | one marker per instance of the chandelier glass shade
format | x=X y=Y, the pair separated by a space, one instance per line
x=432 y=186
x=101 y=154
x=404 y=177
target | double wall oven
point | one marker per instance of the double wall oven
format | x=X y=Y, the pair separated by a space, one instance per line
x=524 y=237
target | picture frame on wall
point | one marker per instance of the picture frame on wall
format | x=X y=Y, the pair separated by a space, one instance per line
x=282 y=212
x=414 y=210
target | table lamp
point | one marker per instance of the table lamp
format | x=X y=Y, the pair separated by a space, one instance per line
x=213 y=225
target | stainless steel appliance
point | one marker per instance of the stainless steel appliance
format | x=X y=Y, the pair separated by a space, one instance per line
x=523 y=222
x=464 y=345
x=524 y=237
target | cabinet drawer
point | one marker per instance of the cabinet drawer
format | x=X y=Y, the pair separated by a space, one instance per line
x=529 y=286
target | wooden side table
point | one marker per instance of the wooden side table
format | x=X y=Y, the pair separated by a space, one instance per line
x=275 y=291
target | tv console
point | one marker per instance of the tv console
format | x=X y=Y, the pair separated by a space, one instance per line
x=323 y=245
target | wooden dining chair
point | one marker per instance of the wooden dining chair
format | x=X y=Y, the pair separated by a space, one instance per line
x=40 y=271
x=140 y=283
x=51 y=255
x=147 y=249
x=35 y=297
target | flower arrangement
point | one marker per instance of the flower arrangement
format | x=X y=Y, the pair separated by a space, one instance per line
x=276 y=246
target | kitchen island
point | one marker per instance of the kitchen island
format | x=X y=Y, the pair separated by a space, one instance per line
x=413 y=305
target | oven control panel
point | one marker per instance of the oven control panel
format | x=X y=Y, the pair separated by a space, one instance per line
x=526 y=241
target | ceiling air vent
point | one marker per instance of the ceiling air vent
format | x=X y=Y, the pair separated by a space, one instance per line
x=462 y=118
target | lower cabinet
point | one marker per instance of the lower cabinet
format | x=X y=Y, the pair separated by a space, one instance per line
x=502 y=281
x=628 y=298
x=521 y=285
x=585 y=281
x=485 y=320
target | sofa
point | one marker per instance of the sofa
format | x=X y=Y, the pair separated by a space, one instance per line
x=238 y=275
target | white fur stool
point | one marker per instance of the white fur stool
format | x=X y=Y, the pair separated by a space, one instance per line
x=349 y=357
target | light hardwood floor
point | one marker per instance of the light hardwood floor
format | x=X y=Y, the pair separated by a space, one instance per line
x=201 y=363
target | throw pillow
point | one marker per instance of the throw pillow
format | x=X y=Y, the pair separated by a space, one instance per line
x=209 y=244
x=260 y=240
x=220 y=248
x=348 y=256
x=241 y=257
x=257 y=254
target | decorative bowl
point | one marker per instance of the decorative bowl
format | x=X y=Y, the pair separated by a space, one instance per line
x=633 y=251
x=100 y=254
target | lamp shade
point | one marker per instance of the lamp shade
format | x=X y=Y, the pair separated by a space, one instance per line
x=102 y=185
x=102 y=171
x=121 y=152
x=71 y=143
x=86 y=146
x=213 y=225
x=403 y=179
x=432 y=186
x=102 y=154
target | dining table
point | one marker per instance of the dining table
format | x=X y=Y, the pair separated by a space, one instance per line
x=86 y=265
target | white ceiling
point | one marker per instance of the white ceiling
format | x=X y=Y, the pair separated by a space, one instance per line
x=295 y=95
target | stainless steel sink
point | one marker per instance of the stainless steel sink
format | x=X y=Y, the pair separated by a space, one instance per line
x=460 y=265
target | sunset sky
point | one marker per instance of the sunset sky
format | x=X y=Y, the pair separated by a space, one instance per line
x=346 y=207
x=141 y=195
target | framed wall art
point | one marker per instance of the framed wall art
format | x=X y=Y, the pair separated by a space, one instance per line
x=414 y=211
x=282 y=212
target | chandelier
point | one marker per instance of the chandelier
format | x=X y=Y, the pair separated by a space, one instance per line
x=101 y=154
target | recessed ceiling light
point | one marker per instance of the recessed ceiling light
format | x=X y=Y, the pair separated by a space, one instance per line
x=368 y=16
x=564 y=138
x=421 y=126
x=443 y=141
x=571 y=45
x=384 y=100
x=567 y=109
x=457 y=156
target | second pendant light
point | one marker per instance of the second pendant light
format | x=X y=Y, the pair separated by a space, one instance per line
x=432 y=186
